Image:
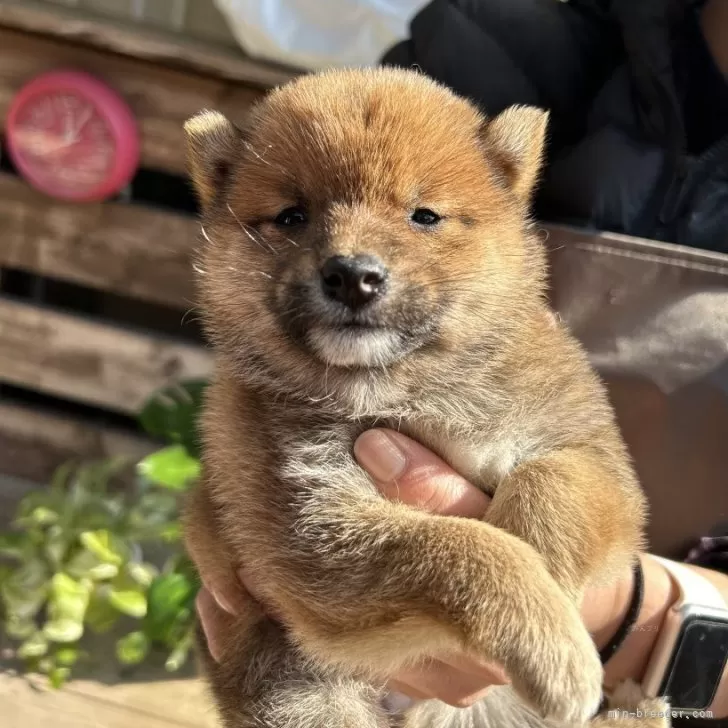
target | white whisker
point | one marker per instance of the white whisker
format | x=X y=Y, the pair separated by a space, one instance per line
x=205 y=235
x=245 y=229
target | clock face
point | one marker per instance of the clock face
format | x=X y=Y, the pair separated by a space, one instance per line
x=72 y=137
x=65 y=140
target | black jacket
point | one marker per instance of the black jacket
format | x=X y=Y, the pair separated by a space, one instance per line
x=639 y=112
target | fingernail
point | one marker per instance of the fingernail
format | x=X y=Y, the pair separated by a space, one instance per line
x=205 y=604
x=380 y=456
x=223 y=603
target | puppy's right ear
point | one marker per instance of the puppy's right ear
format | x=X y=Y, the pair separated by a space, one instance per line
x=214 y=144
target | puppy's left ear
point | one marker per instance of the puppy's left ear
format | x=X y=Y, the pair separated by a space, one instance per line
x=514 y=142
x=214 y=145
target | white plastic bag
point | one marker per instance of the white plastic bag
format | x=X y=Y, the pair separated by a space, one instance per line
x=313 y=34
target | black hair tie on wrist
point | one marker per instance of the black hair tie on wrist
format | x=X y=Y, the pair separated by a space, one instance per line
x=630 y=618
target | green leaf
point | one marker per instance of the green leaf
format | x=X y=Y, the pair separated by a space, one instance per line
x=87 y=564
x=142 y=574
x=63 y=630
x=39 y=508
x=181 y=563
x=35 y=646
x=58 y=677
x=133 y=648
x=171 y=467
x=158 y=506
x=45 y=665
x=172 y=414
x=100 y=615
x=67 y=656
x=153 y=514
x=31 y=575
x=56 y=544
x=69 y=599
x=76 y=497
x=26 y=590
x=178 y=657
x=102 y=572
x=19 y=629
x=132 y=603
x=104 y=545
x=168 y=595
x=13 y=545
x=171 y=533
x=6 y=571
x=86 y=501
x=42 y=516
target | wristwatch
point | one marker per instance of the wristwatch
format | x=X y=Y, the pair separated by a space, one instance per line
x=688 y=663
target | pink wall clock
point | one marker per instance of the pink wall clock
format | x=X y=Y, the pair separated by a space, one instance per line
x=72 y=136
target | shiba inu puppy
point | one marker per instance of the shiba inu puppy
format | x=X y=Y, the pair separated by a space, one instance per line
x=368 y=260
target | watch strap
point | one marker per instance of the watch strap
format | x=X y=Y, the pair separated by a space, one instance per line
x=630 y=618
x=694 y=587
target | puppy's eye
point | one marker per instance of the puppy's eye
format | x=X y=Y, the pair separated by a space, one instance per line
x=423 y=216
x=290 y=217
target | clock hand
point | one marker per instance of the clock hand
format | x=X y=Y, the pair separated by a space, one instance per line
x=84 y=119
x=68 y=133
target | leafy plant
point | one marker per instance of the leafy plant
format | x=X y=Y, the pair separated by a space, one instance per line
x=75 y=559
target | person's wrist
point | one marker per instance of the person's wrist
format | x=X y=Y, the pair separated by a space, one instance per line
x=660 y=594
x=604 y=610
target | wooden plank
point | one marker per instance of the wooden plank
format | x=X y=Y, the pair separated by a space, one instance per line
x=133 y=251
x=34 y=442
x=85 y=361
x=143 y=43
x=162 y=99
x=184 y=701
x=26 y=704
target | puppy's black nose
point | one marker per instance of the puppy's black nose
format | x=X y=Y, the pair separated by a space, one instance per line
x=354 y=281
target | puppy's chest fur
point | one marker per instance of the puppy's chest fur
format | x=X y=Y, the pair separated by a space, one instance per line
x=484 y=464
x=484 y=452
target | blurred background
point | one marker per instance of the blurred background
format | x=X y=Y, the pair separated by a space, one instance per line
x=101 y=358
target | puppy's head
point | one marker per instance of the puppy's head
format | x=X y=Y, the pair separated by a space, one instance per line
x=363 y=218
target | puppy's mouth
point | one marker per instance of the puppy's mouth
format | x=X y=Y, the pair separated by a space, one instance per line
x=374 y=336
x=356 y=345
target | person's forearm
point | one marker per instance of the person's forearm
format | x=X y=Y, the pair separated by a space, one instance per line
x=604 y=611
x=632 y=658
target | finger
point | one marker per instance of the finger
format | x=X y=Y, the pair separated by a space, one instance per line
x=403 y=470
x=489 y=672
x=397 y=686
x=215 y=622
x=228 y=592
x=442 y=682
x=403 y=694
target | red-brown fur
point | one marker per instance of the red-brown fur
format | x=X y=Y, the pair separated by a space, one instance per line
x=473 y=365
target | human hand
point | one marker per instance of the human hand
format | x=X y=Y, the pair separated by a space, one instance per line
x=405 y=471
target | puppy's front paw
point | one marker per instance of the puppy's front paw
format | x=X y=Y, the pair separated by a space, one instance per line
x=628 y=704
x=557 y=668
x=567 y=686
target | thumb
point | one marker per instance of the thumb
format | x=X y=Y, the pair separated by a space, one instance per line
x=405 y=471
